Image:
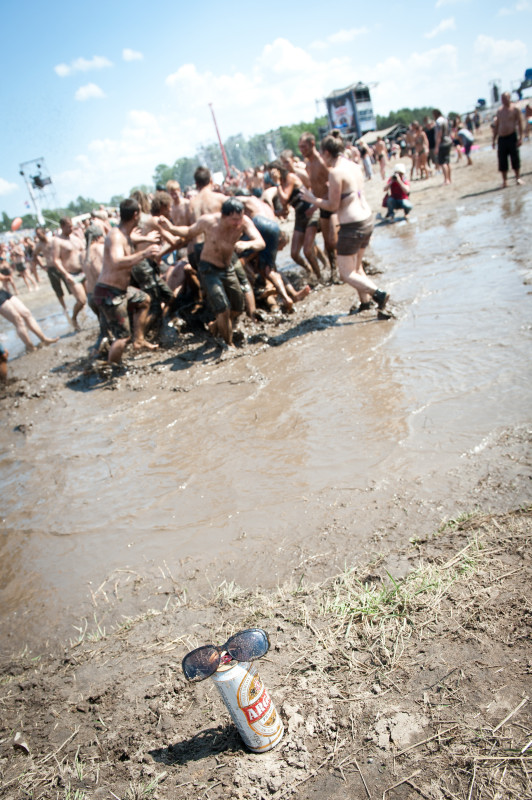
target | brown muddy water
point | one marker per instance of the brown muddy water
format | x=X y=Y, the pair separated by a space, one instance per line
x=351 y=436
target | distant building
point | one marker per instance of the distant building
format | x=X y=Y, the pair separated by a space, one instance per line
x=350 y=110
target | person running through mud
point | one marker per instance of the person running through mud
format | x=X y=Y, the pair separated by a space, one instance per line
x=67 y=254
x=223 y=233
x=318 y=176
x=113 y=296
x=508 y=134
x=346 y=196
x=43 y=255
x=14 y=310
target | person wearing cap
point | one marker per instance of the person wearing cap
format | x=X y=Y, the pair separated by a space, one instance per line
x=398 y=189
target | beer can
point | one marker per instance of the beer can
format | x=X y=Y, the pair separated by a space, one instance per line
x=251 y=707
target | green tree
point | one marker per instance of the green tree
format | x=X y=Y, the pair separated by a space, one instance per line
x=82 y=205
x=403 y=117
x=5 y=224
x=163 y=173
x=116 y=199
x=29 y=221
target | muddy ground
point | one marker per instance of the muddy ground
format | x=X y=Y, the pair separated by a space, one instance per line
x=397 y=687
x=411 y=688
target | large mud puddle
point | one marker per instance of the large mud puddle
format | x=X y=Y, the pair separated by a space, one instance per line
x=350 y=435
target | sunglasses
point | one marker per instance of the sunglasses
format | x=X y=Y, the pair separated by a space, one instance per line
x=244 y=646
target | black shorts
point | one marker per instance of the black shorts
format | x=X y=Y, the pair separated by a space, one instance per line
x=354 y=236
x=507 y=148
x=444 y=154
x=325 y=214
x=221 y=286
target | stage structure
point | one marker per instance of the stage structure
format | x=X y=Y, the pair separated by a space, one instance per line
x=40 y=187
x=350 y=110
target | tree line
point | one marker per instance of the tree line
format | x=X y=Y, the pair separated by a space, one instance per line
x=242 y=152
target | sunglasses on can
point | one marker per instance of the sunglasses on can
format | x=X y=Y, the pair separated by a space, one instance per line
x=244 y=646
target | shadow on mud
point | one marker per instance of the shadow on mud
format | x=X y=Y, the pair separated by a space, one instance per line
x=208 y=743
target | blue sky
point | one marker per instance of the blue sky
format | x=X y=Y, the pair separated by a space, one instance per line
x=106 y=91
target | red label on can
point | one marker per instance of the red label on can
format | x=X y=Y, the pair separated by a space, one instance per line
x=259 y=708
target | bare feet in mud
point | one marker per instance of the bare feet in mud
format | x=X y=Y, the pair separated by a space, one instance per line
x=47 y=340
x=143 y=344
x=304 y=292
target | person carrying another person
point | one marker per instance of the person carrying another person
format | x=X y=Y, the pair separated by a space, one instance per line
x=508 y=133
x=113 y=296
x=346 y=197
x=223 y=233
x=398 y=190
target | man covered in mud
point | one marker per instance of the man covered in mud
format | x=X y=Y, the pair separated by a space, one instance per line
x=318 y=176
x=223 y=233
x=67 y=254
x=113 y=296
x=508 y=133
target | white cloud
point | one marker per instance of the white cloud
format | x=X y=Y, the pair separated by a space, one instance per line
x=499 y=52
x=412 y=81
x=89 y=92
x=82 y=65
x=523 y=5
x=131 y=55
x=445 y=25
x=281 y=85
x=341 y=37
x=6 y=187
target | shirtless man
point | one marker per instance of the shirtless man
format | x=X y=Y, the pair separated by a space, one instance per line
x=43 y=255
x=92 y=267
x=318 y=177
x=206 y=201
x=67 y=255
x=381 y=154
x=223 y=231
x=508 y=129
x=113 y=296
x=180 y=211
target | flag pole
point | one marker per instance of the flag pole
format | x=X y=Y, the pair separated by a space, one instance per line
x=220 y=142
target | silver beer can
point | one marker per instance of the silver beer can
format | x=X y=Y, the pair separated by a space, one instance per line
x=251 y=707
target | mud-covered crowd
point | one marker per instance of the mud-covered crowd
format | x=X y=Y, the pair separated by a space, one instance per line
x=210 y=254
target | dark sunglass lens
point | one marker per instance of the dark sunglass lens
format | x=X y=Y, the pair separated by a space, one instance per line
x=248 y=645
x=201 y=663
